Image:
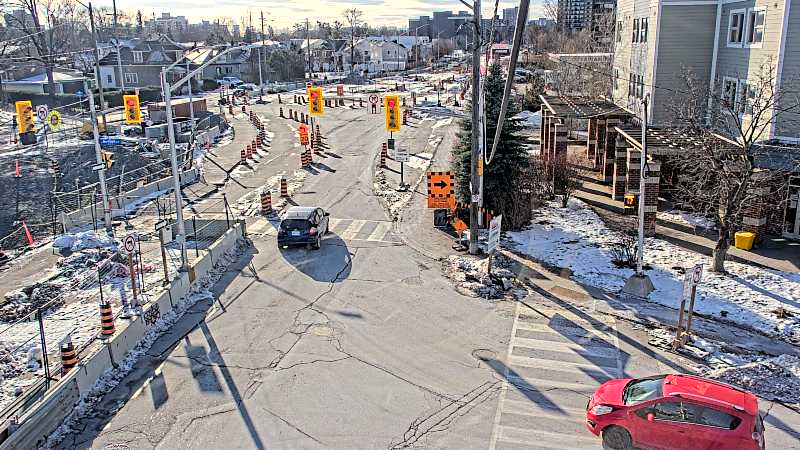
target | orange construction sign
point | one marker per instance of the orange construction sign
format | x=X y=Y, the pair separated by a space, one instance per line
x=441 y=190
x=303 y=131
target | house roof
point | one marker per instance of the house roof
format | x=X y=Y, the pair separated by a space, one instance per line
x=581 y=107
x=41 y=78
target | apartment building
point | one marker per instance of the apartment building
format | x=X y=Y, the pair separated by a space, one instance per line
x=725 y=44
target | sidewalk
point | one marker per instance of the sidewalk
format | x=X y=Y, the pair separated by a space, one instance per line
x=637 y=310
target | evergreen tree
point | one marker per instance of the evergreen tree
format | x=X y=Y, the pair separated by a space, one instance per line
x=501 y=176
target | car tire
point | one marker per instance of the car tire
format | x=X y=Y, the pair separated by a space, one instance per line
x=617 y=438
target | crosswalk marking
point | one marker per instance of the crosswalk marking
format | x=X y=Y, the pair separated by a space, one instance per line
x=346 y=229
x=555 y=359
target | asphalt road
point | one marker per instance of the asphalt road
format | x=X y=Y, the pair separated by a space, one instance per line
x=363 y=343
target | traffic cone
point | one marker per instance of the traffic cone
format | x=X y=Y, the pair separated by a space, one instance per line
x=106 y=320
x=284 y=187
x=266 y=202
x=280 y=110
x=69 y=357
x=244 y=154
x=249 y=152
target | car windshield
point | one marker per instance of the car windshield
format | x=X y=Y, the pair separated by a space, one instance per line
x=294 y=224
x=643 y=389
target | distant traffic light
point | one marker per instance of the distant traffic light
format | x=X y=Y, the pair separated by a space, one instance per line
x=108 y=159
x=24 y=116
x=132 y=112
x=393 y=119
x=315 y=105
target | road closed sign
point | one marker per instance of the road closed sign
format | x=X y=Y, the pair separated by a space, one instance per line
x=440 y=190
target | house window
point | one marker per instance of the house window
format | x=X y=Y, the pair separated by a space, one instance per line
x=755 y=26
x=616 y=79
x=109 y=79
x=131 y=78
x=630 y=85
x=227 y=69
x=730 y=96
x=641 y=86
x=219 y=70
x=138 y=57
x=635 y=30
x=643 y=29
x=619 y=31
x=736 y=27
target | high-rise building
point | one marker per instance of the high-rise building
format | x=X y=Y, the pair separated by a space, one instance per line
x=594 y=15
x=510 y=15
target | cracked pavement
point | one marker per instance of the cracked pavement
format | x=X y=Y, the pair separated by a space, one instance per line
x=357 y=345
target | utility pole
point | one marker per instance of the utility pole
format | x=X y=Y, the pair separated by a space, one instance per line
x=639 y=284
x=263 y=43
x=175 y=173
x=101 y=174
x=97 y=67
x=308 y=50
x=476 y=124
x=191 y=101
x=114 y=6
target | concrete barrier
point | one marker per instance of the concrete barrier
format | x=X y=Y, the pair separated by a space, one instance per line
x=44 y=417
x=83 y=216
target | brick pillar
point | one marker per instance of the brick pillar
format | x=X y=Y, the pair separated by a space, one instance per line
x=651 y=197
x=554 y=123
x=543 y=130
x=609 y=153
x=620 y=174
x=600 y=139
x=561 y=132
x=591 y=141
x=634 y=167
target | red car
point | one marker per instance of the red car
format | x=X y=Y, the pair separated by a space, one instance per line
x=675 y=412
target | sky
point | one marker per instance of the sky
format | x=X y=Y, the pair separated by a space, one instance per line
x=283 y=13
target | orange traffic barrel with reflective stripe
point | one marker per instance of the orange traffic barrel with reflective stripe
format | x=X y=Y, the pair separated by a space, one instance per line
x=106 y=319
x=69 y=357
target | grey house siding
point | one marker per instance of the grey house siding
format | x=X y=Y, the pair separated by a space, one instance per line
x=686 y=41
x=788 y=124
x=739 y=62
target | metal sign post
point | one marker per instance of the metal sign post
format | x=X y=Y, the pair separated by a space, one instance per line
x=401 y=155
x=690 y=281
x=130 y=247
x=493 y=240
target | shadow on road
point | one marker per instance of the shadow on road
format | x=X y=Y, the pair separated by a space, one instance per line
x=332 y=259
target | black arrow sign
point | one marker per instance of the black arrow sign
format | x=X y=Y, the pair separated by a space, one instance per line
x=440 y=184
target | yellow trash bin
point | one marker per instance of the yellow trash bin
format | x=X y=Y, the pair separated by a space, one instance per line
x=744 y=240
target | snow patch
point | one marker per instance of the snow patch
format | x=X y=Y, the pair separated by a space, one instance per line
x=84 y=240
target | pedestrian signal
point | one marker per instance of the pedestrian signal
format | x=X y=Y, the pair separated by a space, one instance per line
x=108 y=159
x=24 y=116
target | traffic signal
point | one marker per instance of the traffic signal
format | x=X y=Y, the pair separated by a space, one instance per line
x=24 y=116
x=392 y=106
x=132 y=112
x=315 y=103
x=108 y=159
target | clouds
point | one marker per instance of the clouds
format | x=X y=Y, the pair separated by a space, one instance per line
x=282 y=13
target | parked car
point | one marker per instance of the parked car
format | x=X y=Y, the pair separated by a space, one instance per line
x=675 y=412
x=248 y=87
x=230 y=82
x=303 y=225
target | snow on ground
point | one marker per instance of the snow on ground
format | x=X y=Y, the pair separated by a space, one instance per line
x=84 y=240
x=442 y=123
x=201 y=290
x=469 y=274
x=576 y=238
x=530 y=119
x=420 y=160
x=687 y=218
x=775 y=378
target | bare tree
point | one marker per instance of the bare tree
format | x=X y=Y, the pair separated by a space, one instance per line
x=726 y=166
x=566 y=174
x=353 y=18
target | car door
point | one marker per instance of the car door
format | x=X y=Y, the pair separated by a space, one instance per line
x=668 y=430
x=323 y=223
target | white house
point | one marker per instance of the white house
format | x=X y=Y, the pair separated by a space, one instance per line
x=373 y=55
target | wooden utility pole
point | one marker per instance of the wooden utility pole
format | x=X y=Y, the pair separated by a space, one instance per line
x=308 y=50
x=476 y=122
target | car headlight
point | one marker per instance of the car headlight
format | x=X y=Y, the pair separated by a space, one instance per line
x=599 y=410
